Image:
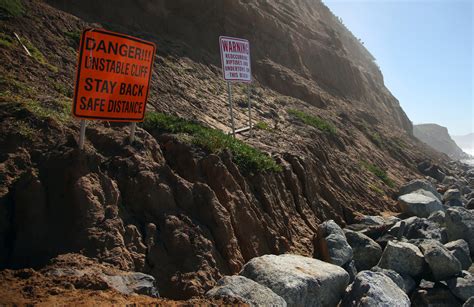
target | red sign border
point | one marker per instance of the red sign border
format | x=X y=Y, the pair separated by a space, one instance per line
x=106 y=32
x=222 y=59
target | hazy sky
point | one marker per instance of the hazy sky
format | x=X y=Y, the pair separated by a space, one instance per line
x=425 y=51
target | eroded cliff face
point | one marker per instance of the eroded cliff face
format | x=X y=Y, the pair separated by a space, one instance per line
x=163 y=205
x=299 y=48
x=439 y=139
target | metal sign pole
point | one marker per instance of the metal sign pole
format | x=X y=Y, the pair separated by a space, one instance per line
x=250 y=108
x=229 y=90
x=82 y=135
x=133 y=127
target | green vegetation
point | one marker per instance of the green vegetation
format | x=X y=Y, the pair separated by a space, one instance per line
x=313 y=121
x=19 y=96
x=37 y=55
x=375 y=138
x=62 y=88
x=377 y=171
x=6 y=40
x=8 y=84
x=12 y=7
x=249 y=159
x=24 y=129
x=400 y=143
x=74 y=36
x=376 y=189
x=262 y=126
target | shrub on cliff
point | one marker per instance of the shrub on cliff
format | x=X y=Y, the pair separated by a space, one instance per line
x=248 y=158
x=313 y=121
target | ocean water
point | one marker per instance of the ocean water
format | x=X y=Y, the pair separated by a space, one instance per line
x=471 y=152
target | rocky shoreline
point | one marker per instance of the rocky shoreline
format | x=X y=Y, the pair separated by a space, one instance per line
x=423 y=257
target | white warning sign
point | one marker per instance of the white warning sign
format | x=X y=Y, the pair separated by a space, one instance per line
x=235 y=58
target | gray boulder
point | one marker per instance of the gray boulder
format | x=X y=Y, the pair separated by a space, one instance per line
x=419 y=203
x=452 y=194
x=394 y=276
x=466 y=190
x=460 y=225
x=460 y=250
x=419 y=184
x=351 y=270
x=403 y=258
x=374 y=289
x=462 y=287
x=247 y=291
x=449 y=180
x=454 y=203
x=470 y=204
x=435 y=296
x=133 y=282
x=371 y=220
x=442 y=263
x=469 y=302
x=419 y=228
x=366 y=252
x=300 y=281
x=438 y=217
x=332 y=244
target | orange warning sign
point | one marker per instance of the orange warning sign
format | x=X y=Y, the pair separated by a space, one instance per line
x=113 y=76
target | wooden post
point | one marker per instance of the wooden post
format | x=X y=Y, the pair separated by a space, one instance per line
x=133 y=127
x=250 y=108
x=229 y=90
x=82 y=135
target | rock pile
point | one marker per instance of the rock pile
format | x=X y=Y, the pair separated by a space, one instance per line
x=424 y=259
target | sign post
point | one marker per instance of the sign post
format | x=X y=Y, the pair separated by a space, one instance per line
x=82 y=135
x=250 y=109
x=229 y=92
x=113 y=78
x=235 y=60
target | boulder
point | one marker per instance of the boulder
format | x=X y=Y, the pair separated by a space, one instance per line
x=469 y=302
x=419 y=184
x=460 y=225
x=394 y=276
x=351 y=270
x=383 y=240
x=454 y=203
x=460 y=250
x=374 y=289
x=371 y=220
x=366 y=252
x=449 y=180
x=452 y=194
x=332 y=245
x=300 y=281
x=247 y=291
x=419 y=228
x=403 y=258
x=134 y=282
x=442 y=263
x=466 y=190
x=436 y=295
x=462 y=287
x=432 y=171
x=419 y=203
x=438 y=217
x=470 y=204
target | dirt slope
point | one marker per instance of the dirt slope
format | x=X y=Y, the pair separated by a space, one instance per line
x=164 y=205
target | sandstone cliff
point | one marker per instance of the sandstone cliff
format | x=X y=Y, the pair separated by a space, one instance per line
x=439 y=139
x=165 y=205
